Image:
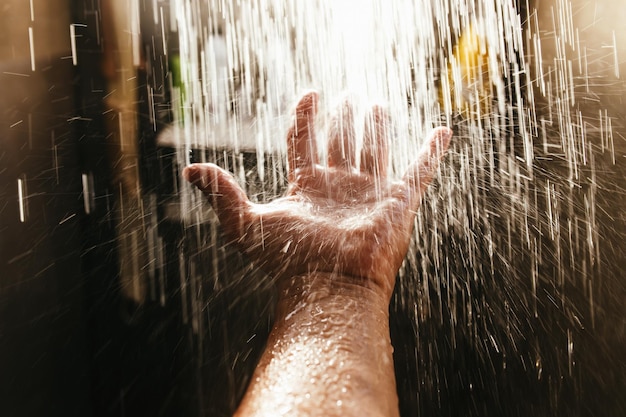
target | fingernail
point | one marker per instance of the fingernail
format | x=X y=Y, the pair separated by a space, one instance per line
x=188 y=172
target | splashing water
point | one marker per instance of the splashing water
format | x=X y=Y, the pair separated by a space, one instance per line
x=514 y=243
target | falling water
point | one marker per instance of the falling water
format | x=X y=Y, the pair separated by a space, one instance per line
x=114 y=274
x=514 y=243
x=118 y=294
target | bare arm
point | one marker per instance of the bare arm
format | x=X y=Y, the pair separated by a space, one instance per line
x=335 y=242
x=329 y=353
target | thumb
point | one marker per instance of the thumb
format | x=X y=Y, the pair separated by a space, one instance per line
x=229 y=201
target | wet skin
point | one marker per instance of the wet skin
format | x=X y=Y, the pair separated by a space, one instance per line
x=334 y=242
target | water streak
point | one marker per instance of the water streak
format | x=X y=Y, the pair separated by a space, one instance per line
x=511 y=234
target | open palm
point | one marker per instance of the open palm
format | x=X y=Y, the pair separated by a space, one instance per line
x=337 y=219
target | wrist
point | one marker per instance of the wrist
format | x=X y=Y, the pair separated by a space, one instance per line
x=318 y=288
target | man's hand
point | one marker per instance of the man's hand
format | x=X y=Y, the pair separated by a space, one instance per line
x=335 y=219
x=335 y=241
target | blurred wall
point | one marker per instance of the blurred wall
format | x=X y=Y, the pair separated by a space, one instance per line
x=43 y=348
x=593 y=37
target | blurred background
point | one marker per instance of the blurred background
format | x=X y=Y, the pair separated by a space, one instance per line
x=118 y=298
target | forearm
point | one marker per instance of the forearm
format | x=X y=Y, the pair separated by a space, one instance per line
x=329 y=353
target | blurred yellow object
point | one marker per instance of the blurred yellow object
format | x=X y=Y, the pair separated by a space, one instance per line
x=467 y=88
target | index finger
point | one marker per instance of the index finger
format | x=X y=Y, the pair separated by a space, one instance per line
x=301 y=145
